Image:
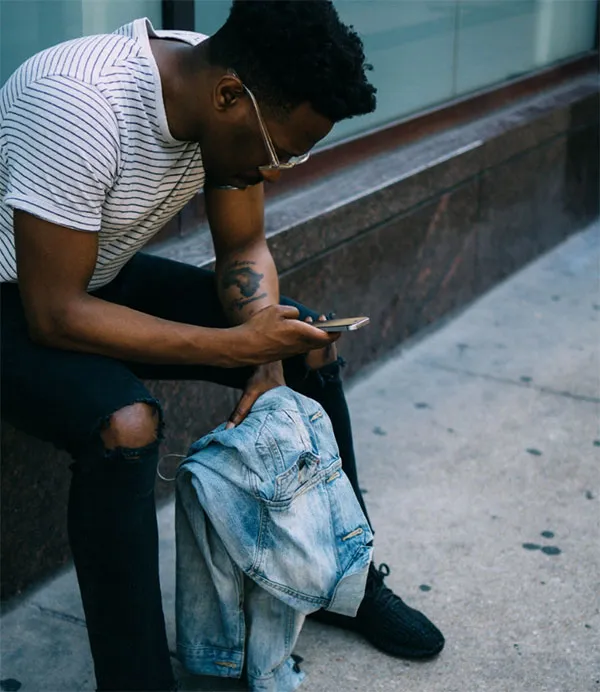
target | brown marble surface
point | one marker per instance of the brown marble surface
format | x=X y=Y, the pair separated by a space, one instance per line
x=581 y=174
x=506 y=236
x=403 y=274
x=585 y=111
x=34 y=492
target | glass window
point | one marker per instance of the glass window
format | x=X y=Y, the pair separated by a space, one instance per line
x=426 y=52
x=29 y=26
x=210 y=15
x=494 y=41
x=104 y=16
x=563 y=28
x=501 y=39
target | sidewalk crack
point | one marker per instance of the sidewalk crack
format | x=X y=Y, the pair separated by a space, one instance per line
x=65 y=617
x=507 y=380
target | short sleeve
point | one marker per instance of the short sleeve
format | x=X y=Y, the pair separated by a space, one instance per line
x=60 y=145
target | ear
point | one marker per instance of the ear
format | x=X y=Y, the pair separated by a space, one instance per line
x=227 y=92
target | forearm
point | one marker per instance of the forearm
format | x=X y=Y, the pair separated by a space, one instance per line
x=91 y=325
x=247 y=282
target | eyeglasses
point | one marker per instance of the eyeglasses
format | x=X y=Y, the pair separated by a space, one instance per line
x=276 y=164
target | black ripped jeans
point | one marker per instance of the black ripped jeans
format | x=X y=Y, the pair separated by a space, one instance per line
x=68 y=397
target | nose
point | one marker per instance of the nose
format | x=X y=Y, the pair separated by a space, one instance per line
x=271 y=176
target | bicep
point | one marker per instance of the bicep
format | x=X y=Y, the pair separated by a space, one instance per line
x=54 y=267
x=236 y=218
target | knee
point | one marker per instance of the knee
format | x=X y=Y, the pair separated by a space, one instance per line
x=132 y=427
x=321 y=356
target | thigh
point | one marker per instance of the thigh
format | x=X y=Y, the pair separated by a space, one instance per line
x=182 y=293
x=60 y=396
x=167 y=289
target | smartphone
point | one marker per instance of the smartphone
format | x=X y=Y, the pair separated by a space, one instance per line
x=348 y=324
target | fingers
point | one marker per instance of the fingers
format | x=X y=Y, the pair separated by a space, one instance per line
x=277 y=332
x=321 y=318
x=242 y=409
x=330 y=337
x=316 y=338
x=289 y=312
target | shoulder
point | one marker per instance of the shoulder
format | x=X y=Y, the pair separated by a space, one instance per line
x=58 y=96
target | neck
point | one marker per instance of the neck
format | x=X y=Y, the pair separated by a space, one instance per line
x=184 y=73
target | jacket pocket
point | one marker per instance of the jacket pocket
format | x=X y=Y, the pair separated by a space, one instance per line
x=288 y=463
x=300 y=478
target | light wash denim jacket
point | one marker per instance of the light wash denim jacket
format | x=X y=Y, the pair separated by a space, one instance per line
x=268 y=529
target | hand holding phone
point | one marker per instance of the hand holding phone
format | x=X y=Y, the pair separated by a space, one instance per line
x=347 y=324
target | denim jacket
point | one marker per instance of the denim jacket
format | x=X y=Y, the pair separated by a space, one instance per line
x=268 y=529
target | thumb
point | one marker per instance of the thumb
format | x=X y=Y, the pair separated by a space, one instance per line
x=288 y=312
x=242 y=409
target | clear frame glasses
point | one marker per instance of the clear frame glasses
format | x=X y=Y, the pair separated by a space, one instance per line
x=276 y=164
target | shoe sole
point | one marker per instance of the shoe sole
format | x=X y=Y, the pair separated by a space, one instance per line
x=401 y=652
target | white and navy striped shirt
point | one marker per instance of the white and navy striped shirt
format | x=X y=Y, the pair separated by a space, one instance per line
x=84 y=143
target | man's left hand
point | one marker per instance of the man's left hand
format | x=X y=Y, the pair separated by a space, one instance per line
x=265 y=377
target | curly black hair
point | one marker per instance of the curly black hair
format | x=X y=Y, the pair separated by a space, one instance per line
x=291 y=51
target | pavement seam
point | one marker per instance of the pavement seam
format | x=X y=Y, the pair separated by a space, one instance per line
x=507 y=380
x=65 y=617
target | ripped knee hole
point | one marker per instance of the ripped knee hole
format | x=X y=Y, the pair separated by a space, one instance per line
x=132 y=427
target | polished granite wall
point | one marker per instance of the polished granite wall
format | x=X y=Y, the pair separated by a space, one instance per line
x=406 y=239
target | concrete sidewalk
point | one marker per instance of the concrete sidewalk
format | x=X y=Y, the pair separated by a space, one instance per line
x=480 y=454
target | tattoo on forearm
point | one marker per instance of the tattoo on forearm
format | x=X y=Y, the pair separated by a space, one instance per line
x=239 y=273
x=239 y=304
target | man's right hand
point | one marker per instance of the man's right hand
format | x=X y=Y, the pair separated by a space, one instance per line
x=274 y=333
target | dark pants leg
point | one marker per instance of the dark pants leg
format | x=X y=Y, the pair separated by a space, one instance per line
x=113 y=535
x=67 y=397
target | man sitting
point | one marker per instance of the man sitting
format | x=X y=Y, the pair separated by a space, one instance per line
x=103 y=140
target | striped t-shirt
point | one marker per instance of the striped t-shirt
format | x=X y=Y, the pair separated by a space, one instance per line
x=84 y=143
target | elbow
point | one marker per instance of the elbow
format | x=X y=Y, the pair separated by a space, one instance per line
x=49 y=327
x=41 y=335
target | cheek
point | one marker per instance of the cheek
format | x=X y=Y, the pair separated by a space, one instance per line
x=243 y=150
x=212 y=154
x=247 y=149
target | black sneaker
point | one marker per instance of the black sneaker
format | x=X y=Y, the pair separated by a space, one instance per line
x=387 y=622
